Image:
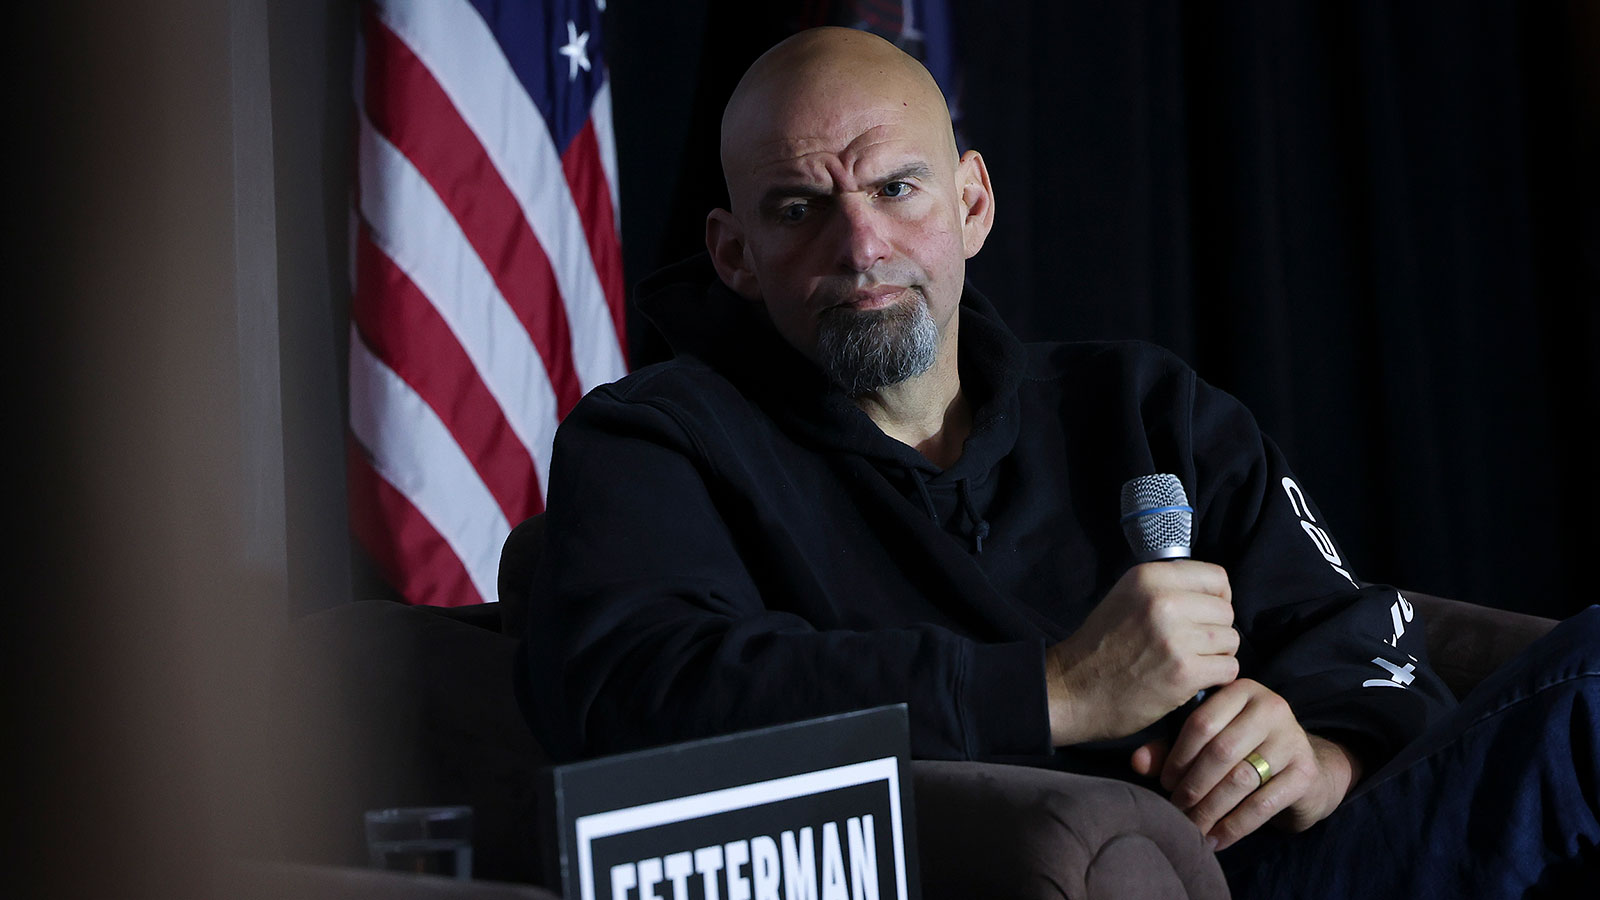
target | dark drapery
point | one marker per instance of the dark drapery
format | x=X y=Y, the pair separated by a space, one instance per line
x=1377 y=223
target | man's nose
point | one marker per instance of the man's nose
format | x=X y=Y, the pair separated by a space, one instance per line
x=863 y=240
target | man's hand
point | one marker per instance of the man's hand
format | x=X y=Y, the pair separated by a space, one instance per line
x=1206 y=772
x=1163 y=633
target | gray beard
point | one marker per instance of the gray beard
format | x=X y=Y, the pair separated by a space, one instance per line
x=863 y=351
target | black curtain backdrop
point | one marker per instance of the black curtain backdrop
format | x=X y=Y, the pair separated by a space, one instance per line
x=1376 y=223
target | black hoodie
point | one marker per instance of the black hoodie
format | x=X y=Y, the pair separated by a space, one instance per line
x=733 y=543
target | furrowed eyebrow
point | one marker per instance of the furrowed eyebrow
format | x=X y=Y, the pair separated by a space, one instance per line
x=915 y=170
x=799 y=191
x=780 y=192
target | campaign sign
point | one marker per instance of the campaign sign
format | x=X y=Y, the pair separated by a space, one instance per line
x=816 y=810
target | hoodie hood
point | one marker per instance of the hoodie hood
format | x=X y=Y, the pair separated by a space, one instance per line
x=702 y=318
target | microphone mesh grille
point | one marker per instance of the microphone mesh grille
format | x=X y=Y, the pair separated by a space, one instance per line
x=1158 y=535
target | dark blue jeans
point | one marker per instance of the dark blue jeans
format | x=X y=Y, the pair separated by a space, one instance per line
x=1498 y=799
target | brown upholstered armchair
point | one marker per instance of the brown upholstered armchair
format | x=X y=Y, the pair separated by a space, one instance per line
x=423 y=714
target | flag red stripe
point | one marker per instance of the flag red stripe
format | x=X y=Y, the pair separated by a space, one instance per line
x=408 y=107
x=586 y=178
x=404 y=330
x=407 y=550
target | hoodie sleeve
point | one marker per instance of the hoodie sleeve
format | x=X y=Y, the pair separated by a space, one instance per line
x=1350 y=657
x=647 y=626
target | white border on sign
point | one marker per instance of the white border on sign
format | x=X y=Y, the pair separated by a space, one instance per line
x=696 y=806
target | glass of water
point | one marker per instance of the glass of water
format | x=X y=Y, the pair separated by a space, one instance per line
x=428 y=840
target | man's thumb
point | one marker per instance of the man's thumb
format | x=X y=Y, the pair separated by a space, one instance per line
x=1148 y=759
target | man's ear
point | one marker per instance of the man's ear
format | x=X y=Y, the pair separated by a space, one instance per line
x=725 y=243
x=977 y=202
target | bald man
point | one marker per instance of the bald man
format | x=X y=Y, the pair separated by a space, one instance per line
x=854 y=486
x=855 y=217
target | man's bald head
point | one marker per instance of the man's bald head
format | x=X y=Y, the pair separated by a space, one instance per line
x=807 y=75
x=851 y=213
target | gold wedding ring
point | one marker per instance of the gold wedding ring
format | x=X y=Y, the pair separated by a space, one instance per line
x=1263 y=769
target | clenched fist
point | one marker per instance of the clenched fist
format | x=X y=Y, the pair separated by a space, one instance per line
x=1163 y=633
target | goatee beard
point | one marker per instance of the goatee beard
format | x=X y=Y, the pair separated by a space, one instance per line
x=866 y=350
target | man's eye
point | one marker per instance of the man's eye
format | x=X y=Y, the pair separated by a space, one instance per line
x=793 y=213
x=895 y=189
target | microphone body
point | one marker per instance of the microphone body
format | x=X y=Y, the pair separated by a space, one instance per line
x=1158 y=523
x=1157 y=519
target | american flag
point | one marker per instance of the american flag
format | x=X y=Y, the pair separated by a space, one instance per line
x=488 y=287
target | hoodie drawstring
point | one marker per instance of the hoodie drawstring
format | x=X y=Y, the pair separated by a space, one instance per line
x=927 y=498
x=980 y=528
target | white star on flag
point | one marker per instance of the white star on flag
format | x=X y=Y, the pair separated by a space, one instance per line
x=576 y=50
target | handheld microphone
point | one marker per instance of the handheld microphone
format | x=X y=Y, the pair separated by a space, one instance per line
x=1156 y=517
x=1158 y=522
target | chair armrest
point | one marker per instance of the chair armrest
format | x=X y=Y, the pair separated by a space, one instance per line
x=1466 y=641
x=987 y=830
x=380 y=704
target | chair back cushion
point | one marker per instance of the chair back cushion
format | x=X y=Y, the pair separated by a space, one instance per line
x=1467 y=641
x=519 y=559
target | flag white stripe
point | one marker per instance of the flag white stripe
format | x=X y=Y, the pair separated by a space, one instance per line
x=600 y=115
x=458 y=48
x=416 y=454
x=414 y=228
